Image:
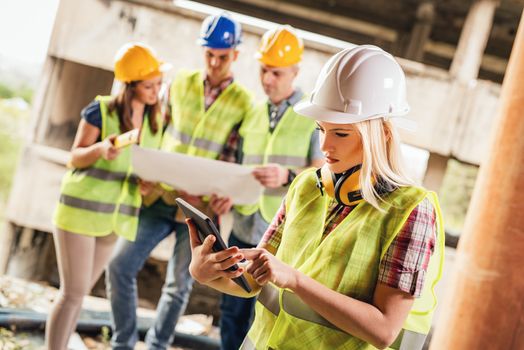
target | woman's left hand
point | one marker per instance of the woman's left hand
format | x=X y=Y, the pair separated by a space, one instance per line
x=265 y=268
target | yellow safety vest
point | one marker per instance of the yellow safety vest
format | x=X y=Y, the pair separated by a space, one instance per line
x=196 y=131
x=288 y=145
x=347 y=261
x=104 y=197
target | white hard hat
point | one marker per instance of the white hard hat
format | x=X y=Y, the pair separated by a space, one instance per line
x=357 y=84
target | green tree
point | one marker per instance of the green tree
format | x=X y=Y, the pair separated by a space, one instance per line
x=6 y=91
x=13 y=123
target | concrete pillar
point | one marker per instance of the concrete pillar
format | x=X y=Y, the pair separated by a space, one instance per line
x=485 y=303
x=421 y=31
x=473 y=40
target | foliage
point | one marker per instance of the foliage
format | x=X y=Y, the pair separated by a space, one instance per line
x=23 y=91
x=13 y=125
x=455 y=193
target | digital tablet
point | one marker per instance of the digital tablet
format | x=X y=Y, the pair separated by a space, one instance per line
x=206 y=227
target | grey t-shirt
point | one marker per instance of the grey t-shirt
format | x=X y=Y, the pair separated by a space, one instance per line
x=250 y=229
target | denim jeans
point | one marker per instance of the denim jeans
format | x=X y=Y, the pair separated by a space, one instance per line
x=155 y=223
x=236 y=314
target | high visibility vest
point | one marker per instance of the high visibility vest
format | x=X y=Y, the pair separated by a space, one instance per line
x=347 y=261
x=104 y=197
x=288 y=145
x=196 y=131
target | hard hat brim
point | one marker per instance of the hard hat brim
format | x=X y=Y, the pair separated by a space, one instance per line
x=205 y=43
x=314 y=111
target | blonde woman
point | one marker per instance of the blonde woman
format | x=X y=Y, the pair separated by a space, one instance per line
x=99 y=198
x=351 y=259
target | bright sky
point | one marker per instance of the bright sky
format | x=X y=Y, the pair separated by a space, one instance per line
x=25 y=28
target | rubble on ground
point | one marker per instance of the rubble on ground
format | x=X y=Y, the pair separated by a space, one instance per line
x=18 y=294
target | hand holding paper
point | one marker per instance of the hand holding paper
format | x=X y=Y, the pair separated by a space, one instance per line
x=197 y=176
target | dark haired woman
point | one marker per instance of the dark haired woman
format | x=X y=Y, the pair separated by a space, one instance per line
x=100 y=198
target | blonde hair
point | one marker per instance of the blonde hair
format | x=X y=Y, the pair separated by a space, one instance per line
x=382 y=158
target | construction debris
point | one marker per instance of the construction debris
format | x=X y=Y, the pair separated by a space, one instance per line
x=24 y=307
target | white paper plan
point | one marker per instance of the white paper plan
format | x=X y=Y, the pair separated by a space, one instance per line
x=196 y=175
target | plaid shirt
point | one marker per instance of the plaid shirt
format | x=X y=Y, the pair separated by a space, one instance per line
x=405 y=264
x=211 y=93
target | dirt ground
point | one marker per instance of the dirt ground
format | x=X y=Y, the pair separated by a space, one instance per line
x=17 y=295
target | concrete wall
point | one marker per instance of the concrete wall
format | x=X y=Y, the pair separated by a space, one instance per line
x=450 y=117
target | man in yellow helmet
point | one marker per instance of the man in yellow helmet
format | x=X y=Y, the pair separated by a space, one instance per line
x=205 y=107
x=278 y=143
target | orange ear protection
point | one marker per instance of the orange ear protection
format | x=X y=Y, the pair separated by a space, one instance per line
x=345 y=189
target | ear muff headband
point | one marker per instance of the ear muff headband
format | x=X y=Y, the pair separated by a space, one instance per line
x=346 y=189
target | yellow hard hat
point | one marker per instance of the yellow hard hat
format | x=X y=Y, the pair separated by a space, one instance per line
x=280 y=47
x=136 y=61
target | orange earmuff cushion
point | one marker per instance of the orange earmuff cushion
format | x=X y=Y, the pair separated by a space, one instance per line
x=346 y=190
x=328 y=180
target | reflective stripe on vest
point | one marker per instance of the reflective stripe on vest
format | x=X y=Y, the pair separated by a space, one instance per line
x=102 y=174
x=247 y=344
x=287 y=145
x=128 y=210
x=178 y=135
x=195 y=130
x=293 y=305
x=87 y=204
x=277 y=191
x=406 y=340
x=293 y=161
x=99 y=207
x=201 y=143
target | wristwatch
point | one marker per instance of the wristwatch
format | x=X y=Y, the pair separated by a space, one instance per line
x=290 y=177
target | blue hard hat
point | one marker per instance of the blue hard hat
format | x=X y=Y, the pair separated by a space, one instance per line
x=220 y=32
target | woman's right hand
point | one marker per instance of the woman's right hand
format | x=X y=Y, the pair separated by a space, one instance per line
x=206 y=265
x=108 y=149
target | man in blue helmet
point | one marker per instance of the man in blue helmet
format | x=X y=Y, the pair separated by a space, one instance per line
x=205 y=106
